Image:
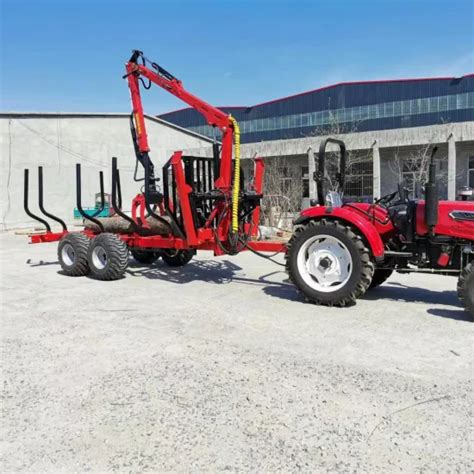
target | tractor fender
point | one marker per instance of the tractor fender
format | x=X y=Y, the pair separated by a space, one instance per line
x=365 y=227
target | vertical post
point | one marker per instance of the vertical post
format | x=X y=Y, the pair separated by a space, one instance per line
x=41 y=202
x=184 y=190
x=79 y=200
x=258 y=186
x=451 y=168
x=377 y=184
x=25 y=203
x=224 y=180
x=313 y=193
x=116 y=194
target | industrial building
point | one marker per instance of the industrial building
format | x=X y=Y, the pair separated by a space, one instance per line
x=57 y=141
x=387 y=124
x=379 y=121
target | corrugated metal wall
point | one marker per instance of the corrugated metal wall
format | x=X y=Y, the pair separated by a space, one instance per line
x=345 y=96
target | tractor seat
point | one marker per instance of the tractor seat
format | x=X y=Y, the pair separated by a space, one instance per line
x=399 y=216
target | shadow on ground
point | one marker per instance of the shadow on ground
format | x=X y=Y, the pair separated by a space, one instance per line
x=225 y=271
x=222 y=271
x=411 y=294
x=213 y=271
x=457 y=314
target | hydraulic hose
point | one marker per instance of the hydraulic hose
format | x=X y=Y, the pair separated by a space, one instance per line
x=236 y=187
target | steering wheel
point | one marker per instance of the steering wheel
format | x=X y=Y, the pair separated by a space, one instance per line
x=385 y=201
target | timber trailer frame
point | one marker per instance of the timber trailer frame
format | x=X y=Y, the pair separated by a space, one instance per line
x=203 y=204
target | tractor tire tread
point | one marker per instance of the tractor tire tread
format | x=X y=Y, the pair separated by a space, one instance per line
x=465 y=288
x=367 y=264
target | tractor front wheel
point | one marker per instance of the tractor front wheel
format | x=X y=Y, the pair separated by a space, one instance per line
x=107 y=257
x=72 y=254
x=329 y=263
x=466 y=288
x=177 y=258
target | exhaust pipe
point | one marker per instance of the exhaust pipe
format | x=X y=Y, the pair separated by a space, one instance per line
x=431 y=195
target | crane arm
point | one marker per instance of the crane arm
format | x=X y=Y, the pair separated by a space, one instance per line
x=162 y=78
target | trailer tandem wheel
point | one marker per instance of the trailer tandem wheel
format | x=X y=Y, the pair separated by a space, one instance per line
x=177 y=258
x=107 y=257
x=145 y=256
x=72 y=254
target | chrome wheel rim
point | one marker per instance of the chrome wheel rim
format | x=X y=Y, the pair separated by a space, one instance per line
x=99 y=257
x=68 y=255
x=324 y=263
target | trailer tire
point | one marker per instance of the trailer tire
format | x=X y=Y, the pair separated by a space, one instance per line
x=331 y=245
x=107 y=257
x=381 y=275
x=144 y=256
x=466 y=288
x=177 y=258
x=72 y=254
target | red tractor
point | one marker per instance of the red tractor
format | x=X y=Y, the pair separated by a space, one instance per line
x=337 y=251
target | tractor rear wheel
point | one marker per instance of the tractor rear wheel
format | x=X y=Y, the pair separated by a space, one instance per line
x=329 y=263
x=144 y=256
x=177 y=258
x=72 y=254
x=107 y=257
x=466 y=288
x=381 y=275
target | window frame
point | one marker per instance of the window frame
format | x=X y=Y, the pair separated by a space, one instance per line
x=470 y=169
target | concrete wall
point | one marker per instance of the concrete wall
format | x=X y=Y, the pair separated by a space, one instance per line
x=385 y=143
x=58 y=142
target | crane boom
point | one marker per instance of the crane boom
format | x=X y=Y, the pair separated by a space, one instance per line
x=162 y=78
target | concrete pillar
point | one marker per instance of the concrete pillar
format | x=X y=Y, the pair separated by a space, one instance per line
x=377 y=182
x=451 y=168
x=311 y=170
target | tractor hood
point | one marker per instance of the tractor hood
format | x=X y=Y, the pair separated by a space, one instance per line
x=455 y=219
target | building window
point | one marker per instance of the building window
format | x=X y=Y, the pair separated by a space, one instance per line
x=470 y=173
x=285 y=179
x=359 y=181
x=319 y=118
x=305 y=178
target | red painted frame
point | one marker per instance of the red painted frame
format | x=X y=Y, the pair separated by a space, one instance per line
x=203 y=238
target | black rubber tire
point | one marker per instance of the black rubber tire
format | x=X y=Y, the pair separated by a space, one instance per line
x=144 y=256
x=381 y=275
x=79 y=244
x=362 y=265
x=466 y=288
x=177 y=258
x=116 y=257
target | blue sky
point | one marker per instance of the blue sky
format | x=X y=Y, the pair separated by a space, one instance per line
x=68 y=55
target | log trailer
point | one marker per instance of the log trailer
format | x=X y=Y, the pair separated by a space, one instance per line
x=336 y=253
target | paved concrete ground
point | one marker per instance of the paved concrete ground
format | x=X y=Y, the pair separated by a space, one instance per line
x=221 y=366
